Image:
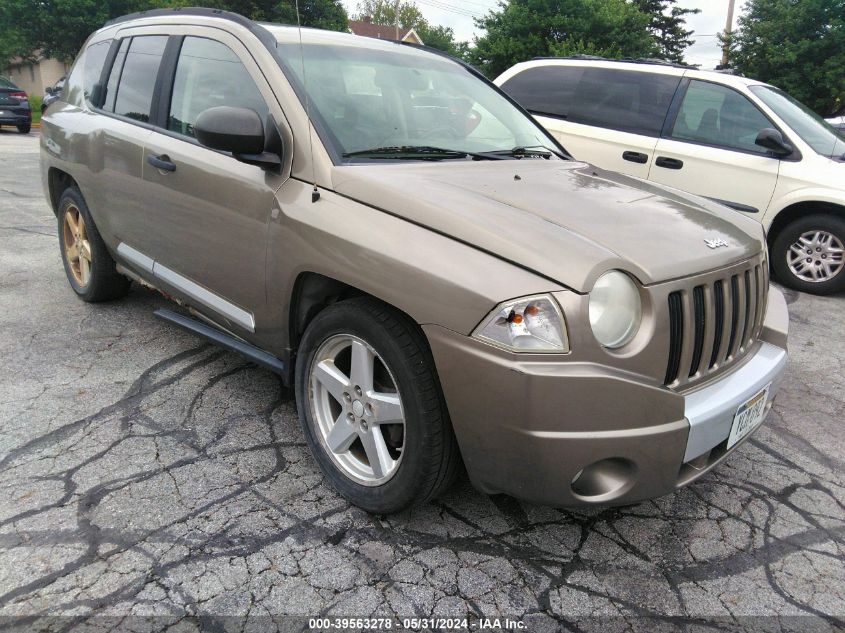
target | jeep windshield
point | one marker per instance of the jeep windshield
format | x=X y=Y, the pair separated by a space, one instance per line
x=378 y=101
x=813 y=130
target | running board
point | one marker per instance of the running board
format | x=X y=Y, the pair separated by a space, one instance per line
x=227 y=341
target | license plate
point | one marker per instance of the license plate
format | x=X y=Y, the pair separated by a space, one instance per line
x=749 y=416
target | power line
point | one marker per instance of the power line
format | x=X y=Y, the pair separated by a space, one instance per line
x=444 y=6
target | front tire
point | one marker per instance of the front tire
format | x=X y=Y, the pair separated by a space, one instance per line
x=371 y=407
x=807 y=254
x=90 y=269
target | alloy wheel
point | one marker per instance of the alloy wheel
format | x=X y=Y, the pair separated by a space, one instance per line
x=77 y=245
x=356 y=406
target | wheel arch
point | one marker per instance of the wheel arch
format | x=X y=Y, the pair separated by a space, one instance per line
x=57 y=182
x=313 y=292
x=796 y=210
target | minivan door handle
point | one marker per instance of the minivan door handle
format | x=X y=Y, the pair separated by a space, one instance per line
x=161 y=162
x=635 y=157
x=669 y=163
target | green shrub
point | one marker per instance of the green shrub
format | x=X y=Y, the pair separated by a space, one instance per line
x=35 y=106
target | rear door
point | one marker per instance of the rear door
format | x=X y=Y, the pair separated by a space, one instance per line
x=610 y=117
x=122 y=96
x=708 y=148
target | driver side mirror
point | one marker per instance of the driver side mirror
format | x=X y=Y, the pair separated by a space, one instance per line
x=772 y=140
x=236 y=130
x=49 y=90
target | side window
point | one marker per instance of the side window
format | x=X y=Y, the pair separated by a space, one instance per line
x=95 y=57
x=114 y=75
x=134 y=94
x=545 y=89
x=718 y=115
x=209 y=74
x=625 y=100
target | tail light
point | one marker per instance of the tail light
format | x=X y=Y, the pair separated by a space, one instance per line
x=19 y=94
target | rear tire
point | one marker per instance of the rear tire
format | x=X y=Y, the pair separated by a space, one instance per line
x=24 y=129
x=89 y=267
x=420 y=455
x=807 y=254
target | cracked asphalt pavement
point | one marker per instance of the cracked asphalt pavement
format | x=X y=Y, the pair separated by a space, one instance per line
x=151 y=481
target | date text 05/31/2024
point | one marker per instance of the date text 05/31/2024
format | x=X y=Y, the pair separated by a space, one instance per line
x=416 y=624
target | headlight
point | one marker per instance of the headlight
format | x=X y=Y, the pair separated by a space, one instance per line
x=615 y=309
x=530 y=324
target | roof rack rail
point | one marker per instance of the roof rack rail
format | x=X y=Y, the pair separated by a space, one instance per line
x=194 y=11
x=627 y=60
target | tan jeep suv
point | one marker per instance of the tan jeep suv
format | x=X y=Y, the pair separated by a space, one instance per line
x=438 y=281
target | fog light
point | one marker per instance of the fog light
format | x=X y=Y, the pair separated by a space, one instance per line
x=605 y=479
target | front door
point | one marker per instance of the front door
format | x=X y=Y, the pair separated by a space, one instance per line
x=710 y=150
x=209 y=212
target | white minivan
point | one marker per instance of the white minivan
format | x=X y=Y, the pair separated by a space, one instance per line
x=737 y=141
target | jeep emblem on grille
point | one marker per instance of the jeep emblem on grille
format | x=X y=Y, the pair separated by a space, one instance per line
x=716 y=242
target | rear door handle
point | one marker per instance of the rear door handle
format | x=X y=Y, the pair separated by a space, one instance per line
x=161 y=162
x=669 y=163
x=635 y=157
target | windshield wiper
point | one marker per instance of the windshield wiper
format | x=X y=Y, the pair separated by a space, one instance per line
x=410 y=152
x=540 y=151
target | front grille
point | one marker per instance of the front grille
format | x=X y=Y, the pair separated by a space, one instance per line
x=713 y=324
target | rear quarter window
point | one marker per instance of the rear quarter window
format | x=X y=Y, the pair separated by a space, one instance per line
x=545 y=90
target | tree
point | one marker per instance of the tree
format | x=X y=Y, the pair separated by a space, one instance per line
x=384 y=12
x=58 y=28
x=443 y=39
x=667 y=26
x=522 y=29
x=797 y=46
x=410 y=17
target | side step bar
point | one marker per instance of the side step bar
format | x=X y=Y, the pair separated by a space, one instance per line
x=227 y=341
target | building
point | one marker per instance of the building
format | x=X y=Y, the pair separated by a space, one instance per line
x=366 y=28
x=33 y=78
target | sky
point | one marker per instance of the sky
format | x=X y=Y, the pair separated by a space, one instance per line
x=459 y=14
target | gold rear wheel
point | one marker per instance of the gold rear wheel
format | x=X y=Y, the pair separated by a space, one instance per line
x=77 y=245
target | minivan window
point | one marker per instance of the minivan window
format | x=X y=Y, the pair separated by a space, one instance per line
x=137 y=80
x=625 y=100
x=718 y=115
x=813 y=130
x=209 y=74
x=545 y=90
x=378 y=97
x=95 y=57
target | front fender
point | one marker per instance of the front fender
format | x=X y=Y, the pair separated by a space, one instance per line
x=432 y=278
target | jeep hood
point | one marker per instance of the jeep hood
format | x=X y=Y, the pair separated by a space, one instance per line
x=567 y=221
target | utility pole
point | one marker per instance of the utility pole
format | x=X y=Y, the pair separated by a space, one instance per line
x=396 y=11
x=728 y=28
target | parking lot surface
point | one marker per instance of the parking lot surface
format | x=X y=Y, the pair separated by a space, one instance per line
x=148 y=479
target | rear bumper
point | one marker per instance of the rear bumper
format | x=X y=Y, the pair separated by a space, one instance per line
x=21 y=117
x=530 y=427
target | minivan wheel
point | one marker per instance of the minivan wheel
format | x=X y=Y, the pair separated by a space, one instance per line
x=89 y=267
x=24 y=129
x=807 y=255
x=371 y=407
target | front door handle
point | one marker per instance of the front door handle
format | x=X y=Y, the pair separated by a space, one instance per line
x=669 y=163
x=161 y=162
x=635 y=157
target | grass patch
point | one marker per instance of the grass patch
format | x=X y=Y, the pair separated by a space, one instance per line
x=35 y=106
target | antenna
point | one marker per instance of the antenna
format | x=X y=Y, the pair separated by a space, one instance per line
x=315 y=194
